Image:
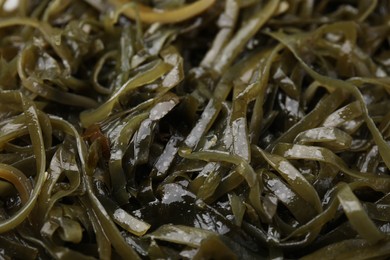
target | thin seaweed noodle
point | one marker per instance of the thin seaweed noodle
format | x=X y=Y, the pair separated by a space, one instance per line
x=173 y=129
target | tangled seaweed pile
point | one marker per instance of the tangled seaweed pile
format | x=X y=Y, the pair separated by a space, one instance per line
x=207 y=129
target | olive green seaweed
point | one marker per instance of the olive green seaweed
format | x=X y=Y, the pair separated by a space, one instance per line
x=195 y=129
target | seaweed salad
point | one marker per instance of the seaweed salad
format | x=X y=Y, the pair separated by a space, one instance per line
x=182 y=129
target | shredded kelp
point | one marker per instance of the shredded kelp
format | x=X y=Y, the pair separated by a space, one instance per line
x=174 y=129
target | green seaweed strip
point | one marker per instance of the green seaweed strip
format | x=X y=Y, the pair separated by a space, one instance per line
x=384 y=148
x=227 y=22
x=124 y=249
x=32 y=122
x=260 y=87
x=220 y=93
x=157 y=70
x=243 y=168
x=297 y=181
x=118 y=178
x=357 y=216
x=353 y=248
x=291 y=151
x=326 y=106
x=234 y=47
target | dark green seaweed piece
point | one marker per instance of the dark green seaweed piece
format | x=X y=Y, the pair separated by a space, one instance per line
x=194 y=129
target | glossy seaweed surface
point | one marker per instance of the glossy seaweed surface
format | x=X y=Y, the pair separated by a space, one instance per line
x=173 y=129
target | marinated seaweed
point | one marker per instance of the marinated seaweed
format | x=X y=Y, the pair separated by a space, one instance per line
x=174 y=129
